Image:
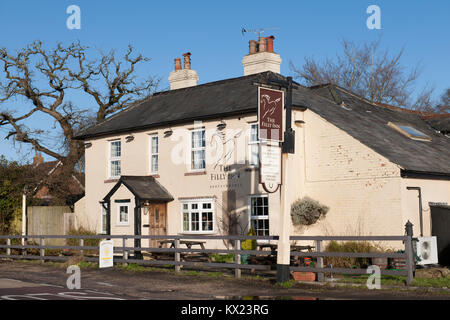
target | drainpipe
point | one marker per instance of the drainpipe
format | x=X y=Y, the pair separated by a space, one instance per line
x=420 y=208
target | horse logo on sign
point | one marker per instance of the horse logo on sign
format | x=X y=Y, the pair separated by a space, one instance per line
x=270 y=114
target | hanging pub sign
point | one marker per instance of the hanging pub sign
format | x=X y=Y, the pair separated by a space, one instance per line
x=270 y=114
x=270 y=134
x=270 y=167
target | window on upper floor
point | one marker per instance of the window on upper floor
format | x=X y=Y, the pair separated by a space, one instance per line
x=154 y=153
x=115 y=153
x=198 y=146
x=253 y=145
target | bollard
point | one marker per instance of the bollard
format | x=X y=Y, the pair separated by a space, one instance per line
x=237 y=259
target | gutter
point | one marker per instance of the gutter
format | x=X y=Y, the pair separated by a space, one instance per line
x=414 y=174
x=166 y=123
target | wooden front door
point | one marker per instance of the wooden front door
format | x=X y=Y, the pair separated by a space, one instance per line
x=157 y=222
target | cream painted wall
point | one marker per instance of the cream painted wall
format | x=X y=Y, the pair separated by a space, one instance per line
x=432 y=191
x=176 y=176
x=363 y=189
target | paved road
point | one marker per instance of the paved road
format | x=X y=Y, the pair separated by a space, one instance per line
x=12 y=289
x=42 y=281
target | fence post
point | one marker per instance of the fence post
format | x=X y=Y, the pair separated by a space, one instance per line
x=124 y=252
x=8 y=250
x=237 y=258
x=177 y=255
x=410 y=264
x=81 y=244
x=41 y=249
x=320 y=275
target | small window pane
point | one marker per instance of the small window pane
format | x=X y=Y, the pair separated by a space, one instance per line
x=115 y=149
x=123 y=214
x=115 y=168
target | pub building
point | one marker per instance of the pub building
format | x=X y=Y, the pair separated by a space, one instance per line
x=188 y=160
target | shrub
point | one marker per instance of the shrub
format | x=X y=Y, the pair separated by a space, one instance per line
x=249 y=244
x=349 y=246
x=307 y=211
x=87 y=242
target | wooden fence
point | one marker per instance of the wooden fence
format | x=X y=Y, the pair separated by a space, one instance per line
x=123 y=253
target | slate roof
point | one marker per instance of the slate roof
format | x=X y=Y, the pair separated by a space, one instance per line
x=207 y=101
x=142 y=187
x=362 y=120
x=367 y=123
x=439 y=122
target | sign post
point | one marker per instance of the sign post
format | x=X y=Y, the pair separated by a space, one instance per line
x=273 y=170
x=288 y=147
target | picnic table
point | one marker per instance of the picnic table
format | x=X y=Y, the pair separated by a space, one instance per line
x=188 y=243
x=273 y=247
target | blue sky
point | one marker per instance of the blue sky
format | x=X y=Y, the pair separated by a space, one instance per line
x=211 y=31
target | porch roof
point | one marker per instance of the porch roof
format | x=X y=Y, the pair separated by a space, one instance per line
x=143 y=188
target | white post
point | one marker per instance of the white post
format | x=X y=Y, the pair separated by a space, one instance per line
x=24 y=217
x=284 y=247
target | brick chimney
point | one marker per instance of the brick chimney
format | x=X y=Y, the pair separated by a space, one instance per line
x=38 y=159
x=182 y=78
x=261 y=57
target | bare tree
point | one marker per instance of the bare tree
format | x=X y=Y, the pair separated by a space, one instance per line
x=369 y=72
x=444 y=105
x=39 y=80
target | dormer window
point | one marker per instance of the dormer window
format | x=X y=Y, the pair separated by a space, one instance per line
x=409 y=131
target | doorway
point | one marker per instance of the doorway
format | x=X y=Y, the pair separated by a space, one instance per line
x=440 y=227
x=157 y=222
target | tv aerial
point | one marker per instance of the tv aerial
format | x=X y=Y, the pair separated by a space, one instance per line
x=258 y=31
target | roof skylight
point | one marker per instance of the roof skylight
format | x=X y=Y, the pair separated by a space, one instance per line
x=409 y=131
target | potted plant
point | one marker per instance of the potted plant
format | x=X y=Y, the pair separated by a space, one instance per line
x=248 y=244
x=305 y=275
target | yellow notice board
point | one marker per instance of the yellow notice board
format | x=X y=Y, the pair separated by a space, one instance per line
x=106 y=256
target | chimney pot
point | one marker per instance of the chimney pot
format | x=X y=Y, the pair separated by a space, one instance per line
x=262 y=44
x=270 y=43
x=187 y=60
x=177 y=64
x=38 y=159
x=252 y=46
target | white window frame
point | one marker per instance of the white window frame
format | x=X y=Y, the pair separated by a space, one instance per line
x=252 y=143
x=200 y=211
x=115 y=158
x=123 y=204
x=103 y=212
x=203 y=148
x=256 y=217
x=152 y=154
